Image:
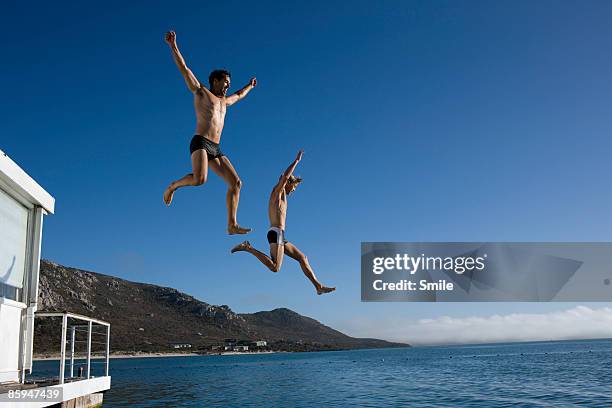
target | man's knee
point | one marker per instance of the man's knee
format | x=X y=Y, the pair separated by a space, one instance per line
x=237 y=184
x=199 y=179
x=303 y=259
x=275 y=268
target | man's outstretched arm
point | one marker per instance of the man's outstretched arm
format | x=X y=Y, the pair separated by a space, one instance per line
x=289 y=171
x=190 y=79
x=238 y=95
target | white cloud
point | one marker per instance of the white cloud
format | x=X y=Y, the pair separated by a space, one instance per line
x=580 y=322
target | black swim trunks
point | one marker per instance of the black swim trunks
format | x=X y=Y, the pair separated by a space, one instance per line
x=276 y=236
x=200 y=142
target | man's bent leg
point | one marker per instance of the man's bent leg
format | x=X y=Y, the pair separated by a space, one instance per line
x=277 y=252
x=224 y=169
x=199 y=165
x=263 y=258
x=296 y=254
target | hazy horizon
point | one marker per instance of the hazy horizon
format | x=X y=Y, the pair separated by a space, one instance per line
x=576 y=323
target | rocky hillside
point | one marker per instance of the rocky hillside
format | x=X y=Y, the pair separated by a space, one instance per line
x=147 y=317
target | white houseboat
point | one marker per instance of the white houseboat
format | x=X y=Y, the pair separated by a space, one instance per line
x=23 y=204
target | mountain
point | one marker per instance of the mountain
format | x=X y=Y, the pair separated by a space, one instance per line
x=148 y=318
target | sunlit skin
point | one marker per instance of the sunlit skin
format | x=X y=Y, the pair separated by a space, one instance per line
x=277 y=212
x=210 y=107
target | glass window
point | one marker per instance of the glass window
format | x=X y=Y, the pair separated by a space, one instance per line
x=13 y=241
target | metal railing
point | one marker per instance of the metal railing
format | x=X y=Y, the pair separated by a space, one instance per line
x=74 y=329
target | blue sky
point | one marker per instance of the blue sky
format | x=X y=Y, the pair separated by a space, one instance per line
x=421 y=121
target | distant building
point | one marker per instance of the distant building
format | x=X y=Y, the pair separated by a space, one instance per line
x=180 y=345
x=237 y=345
x=259 y=343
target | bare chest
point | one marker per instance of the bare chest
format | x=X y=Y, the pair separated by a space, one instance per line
x=210 y=107
x=279 y=204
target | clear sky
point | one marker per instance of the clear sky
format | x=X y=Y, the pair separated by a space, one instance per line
x=421 y=121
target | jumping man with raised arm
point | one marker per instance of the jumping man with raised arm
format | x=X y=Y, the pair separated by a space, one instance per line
x=210 y=106
x=277 y=212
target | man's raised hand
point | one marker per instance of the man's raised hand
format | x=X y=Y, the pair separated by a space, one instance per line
x=253 y=82
x=171 y=37
x=299 y=156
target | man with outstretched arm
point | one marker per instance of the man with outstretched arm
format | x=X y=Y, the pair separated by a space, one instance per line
x=277 y=212
x=210 y=106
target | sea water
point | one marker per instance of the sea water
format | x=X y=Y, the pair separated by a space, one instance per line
x=539 y=374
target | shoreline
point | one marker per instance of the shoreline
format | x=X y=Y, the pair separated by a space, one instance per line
x=47 y=357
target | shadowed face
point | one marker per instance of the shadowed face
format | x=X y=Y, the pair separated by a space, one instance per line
x=290 y=187
x=220 y=86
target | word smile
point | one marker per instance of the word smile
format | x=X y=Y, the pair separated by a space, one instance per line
x=408 y=285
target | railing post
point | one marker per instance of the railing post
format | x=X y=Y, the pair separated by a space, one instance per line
x=89 y=324
x=72 y=340
x=63 y=349
x=107 y=349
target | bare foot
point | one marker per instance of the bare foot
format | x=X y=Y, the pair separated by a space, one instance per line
x=241 y=247
x=168 y=194
x=237 y=229
x=324 y=289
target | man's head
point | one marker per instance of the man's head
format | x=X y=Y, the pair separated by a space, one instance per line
x=292 y=184
x=219 y=81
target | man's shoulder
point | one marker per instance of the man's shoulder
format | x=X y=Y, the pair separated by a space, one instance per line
x=203 y=91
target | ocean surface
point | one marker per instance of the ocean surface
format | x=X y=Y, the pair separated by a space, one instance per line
x=539 y=374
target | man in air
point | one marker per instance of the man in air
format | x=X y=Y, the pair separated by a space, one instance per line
x=277 y=212
x=210 y=106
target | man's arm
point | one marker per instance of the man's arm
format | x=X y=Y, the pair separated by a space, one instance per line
x=238 y=95
x=190 y=79
x=285 y=177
